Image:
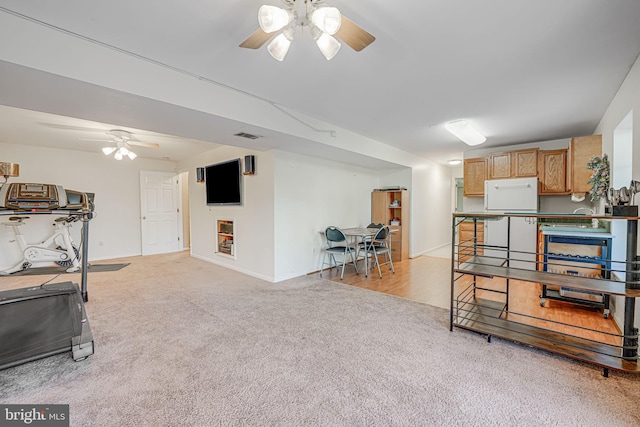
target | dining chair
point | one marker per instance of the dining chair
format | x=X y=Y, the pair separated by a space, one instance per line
x=380 y=245
x=337 y=244
x=366 y=240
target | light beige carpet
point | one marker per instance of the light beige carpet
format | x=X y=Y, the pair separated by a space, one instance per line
x=181 y=342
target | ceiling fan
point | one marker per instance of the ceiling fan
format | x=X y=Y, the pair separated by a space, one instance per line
x=324 y=23
x=123 y=141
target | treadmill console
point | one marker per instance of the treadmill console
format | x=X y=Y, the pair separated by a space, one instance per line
x=45 y=197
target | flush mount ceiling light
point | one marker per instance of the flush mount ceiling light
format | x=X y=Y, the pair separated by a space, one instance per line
x=278 y=25
x=465 y=132
x=454 y=162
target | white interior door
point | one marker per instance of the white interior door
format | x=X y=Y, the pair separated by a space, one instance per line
x=159 y=212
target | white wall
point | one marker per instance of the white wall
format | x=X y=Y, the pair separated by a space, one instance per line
x=431 y=207
x=310 y=195
x=115 y=231
x=254 y=219
x=289 y=200
x=626 y=100
x=293 y=198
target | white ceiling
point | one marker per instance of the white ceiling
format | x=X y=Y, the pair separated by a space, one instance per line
x=521 y=71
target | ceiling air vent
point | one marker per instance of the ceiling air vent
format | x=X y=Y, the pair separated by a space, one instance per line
x=247 y=135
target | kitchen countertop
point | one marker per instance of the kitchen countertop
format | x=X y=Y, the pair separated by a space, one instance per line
x=576 y=231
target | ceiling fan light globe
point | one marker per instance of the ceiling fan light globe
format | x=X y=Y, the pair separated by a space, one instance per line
x=279 y=47
x=108 y=150
x=273 y=18
x=132 y=155
x=118 y=155
x=124 y=151
x=327 y=18
x=328 y=45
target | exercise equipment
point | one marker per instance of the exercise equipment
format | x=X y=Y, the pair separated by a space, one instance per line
x=41 y=321
x=45 y=197
x=58 y=247
x=18 y=199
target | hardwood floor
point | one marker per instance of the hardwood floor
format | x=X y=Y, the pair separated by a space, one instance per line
x=427 y=279
x=423 y=279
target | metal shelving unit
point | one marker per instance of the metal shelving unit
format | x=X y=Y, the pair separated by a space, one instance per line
x=480 y=292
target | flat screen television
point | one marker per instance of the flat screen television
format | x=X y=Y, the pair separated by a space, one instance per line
x=223 y=182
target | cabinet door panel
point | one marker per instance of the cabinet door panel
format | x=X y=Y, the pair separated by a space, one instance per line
x=475 y=173
x=500 y=165
x=524 y=163
x=582 y=150
x=553 y=165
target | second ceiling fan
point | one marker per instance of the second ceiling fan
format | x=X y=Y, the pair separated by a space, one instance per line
x=123 y=141
x=324 y=22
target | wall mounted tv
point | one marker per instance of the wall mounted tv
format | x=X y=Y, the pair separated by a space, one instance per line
x=223 y=182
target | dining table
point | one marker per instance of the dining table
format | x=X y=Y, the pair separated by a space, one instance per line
x=360 y=235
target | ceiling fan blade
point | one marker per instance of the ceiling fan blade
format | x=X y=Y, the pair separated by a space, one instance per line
x=143 y=144
x=354 y=35
x=67 y=127
x=96 y=140
x=257 y=39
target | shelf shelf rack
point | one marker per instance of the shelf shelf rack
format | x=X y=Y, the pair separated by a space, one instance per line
x=480 y=288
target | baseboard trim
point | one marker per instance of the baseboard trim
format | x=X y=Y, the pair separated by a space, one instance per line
x=232 y=267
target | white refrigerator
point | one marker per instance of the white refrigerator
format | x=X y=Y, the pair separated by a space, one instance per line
x=515 y=195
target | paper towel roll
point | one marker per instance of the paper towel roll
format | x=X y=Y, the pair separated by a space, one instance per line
x=577 y=197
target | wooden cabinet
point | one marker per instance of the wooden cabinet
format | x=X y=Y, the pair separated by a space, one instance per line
x=581 y=150
x=470 y=234
x=513 y=164
x=475 y=173
x=524 y=163
x=553 y=171
x=392 y=208
x=500 y=165
x=560 y=171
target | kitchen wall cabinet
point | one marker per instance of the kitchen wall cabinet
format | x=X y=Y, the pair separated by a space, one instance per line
x=513 y=164
x=475 y=173
x=553 y=172
x=524 y=163
x=560 y=171
x=500 y=165
x=581 y=150
x=392 y=208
